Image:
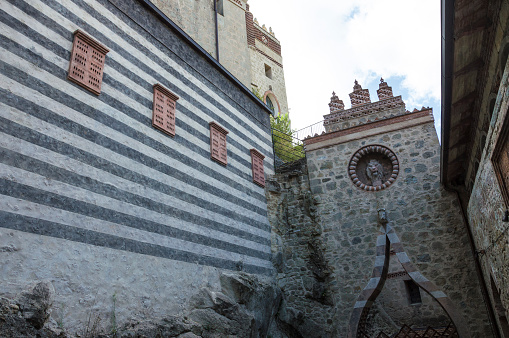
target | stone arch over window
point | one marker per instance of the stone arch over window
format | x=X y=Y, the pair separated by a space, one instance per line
x=276 y=108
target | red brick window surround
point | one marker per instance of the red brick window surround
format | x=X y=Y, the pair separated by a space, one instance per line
x=257 y=167
x=163 y=112
x=87 y=62
x=218 y=143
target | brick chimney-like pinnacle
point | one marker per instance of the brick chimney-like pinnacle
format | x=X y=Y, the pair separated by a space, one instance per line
x=336 y=105
x=359 y=96
x=384 y=91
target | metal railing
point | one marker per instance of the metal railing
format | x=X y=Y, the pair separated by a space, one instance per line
x=287 y=149
x=309 y=131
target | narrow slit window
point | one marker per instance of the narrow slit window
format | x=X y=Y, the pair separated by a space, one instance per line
x=163 y=112
x=87 y=62
x=218 y=151
x=414 y=294
x=257 y=167
x=268 y=71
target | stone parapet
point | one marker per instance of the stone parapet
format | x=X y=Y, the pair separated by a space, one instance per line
x=370 y=128
x=367 y=109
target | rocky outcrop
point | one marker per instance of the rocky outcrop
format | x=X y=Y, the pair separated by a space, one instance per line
x=244 y=308
x=35 y=303
x=26 y=315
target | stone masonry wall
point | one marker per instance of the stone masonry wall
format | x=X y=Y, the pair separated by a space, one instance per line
x=486 y=208
x=264 y=83
x=195 y=17
x=302 y=272
x=425 y=216
x=233 y=49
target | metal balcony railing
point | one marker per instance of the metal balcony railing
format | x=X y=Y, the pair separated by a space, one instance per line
x=287 y=149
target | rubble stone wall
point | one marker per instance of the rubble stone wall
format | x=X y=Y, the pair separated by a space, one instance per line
x=487 y=207
x=426 y=218
x=298 y=255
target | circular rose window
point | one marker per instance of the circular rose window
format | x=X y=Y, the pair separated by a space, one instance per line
x=373 y=168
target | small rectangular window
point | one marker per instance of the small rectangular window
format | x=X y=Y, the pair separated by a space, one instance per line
x=218 y=151
x=268 y=71
x=257 y=167
x=87 y=62
x=163 y=111
x=414 y=294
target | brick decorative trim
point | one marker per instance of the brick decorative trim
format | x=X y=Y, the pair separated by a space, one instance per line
x=86 y=66
x=164 y=108
x=218 y=150
x=269 y=57
x=367 y=126
x=384 y=91
x=250 y=30
x=257 y=167
x=365 y=109
x=272 y=43
x=272 y=96
x=255 y=32
x=394 y=275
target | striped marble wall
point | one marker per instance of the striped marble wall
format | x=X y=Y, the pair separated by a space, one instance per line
x=88 y=175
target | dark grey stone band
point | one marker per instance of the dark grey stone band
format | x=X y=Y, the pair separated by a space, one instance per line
x=35 y=195
x=57 y=230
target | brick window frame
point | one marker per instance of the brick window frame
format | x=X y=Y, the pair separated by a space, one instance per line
x=257 y=168
x=164 y=109
x=218 y=150
x=86 y=67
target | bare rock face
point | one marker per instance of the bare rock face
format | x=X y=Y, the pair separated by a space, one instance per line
x=35 y=303
x=244 y=308
x=171 y=326
x=258 y=297
x=26 y=314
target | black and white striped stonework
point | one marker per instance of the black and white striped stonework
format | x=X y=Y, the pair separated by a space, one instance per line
x=92 y=169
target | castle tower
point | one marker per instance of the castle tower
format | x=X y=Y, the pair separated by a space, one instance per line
x=247 y=49
x=266 y=62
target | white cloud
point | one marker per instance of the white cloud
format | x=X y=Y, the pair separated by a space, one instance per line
x=327 y=44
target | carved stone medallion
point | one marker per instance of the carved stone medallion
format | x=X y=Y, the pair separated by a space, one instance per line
x=373 y=168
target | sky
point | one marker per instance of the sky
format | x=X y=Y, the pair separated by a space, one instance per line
x=327 y=44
